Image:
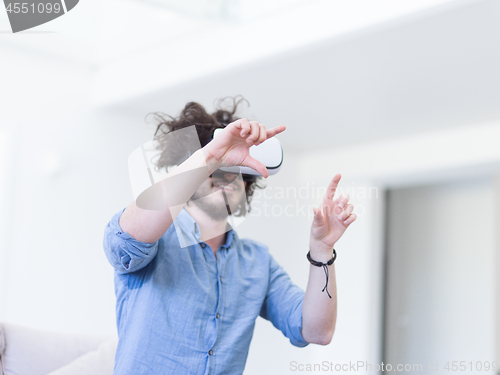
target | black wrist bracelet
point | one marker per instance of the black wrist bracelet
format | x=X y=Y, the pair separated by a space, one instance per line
x=325 y=267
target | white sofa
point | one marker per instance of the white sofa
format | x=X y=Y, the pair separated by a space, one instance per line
x=27 y=351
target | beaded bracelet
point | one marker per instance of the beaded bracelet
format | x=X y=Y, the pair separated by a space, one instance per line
x=325 y=267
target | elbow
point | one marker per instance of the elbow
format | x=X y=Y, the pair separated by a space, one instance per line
x=323 y=339
x=319 y=334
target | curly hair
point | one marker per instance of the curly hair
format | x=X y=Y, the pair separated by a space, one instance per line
x=176 y=148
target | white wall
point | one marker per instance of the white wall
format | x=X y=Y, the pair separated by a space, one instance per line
x=70 y=177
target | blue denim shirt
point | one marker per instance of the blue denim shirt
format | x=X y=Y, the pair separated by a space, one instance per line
x=181 y=310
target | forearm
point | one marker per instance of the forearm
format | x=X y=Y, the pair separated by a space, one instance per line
x=319 y=312
x=171 y=194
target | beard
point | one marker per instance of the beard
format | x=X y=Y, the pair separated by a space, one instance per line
x=217 y=203
x=212 y=207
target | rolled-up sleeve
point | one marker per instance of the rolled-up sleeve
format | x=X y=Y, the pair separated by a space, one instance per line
x=125 y=253
x=283 y=304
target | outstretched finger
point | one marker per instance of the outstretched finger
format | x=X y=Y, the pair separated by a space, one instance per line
x=276 y=130
x=332 y=187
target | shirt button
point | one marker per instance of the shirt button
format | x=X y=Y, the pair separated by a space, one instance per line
x=210 y=352
x=203 y=245
x=217 y=316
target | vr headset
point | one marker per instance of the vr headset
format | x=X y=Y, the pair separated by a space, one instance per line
x=144 y=175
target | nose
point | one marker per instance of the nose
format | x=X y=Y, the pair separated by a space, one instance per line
x=226 y=178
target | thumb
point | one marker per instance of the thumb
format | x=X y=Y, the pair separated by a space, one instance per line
x=256 y=165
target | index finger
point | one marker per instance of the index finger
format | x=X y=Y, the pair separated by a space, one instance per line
x=276 y=130
x=332 y=187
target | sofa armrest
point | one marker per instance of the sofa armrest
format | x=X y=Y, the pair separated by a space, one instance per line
x=96 y=362
x=27 y=351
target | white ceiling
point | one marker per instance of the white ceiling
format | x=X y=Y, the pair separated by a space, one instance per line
x=212 y=47
x=437 y=69
x=116 y=37
x=350 y=70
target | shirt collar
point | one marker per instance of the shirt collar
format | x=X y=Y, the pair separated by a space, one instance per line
x=191 y=227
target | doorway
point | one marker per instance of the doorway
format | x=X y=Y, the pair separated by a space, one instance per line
x=439 y=308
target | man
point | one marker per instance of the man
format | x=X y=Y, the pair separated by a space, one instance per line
x=192 y=309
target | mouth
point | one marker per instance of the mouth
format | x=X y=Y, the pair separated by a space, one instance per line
x=220 y=185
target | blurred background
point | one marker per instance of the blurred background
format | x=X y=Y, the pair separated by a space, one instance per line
x=401 y=97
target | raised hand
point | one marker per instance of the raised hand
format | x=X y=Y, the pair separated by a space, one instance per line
x=331 y=220
x=231 y=147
